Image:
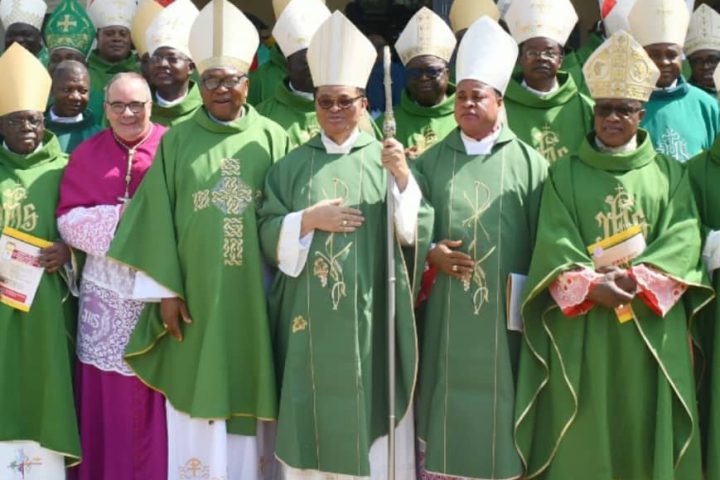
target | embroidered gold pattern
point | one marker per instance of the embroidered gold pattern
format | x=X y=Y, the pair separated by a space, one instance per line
x=233 y=241
x=14 y=213
x=194 y=468
x=423 y=140
x=299 y=324
x=479 y=205
x=201 y=200
x=622 y=215
x=548 y=144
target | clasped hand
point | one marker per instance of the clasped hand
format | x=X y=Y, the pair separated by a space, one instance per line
x=615 y=288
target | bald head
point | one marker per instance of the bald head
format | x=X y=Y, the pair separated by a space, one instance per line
x=70 y=88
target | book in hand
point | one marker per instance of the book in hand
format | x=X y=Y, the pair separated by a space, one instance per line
x=513 y=301
x=619 y=250
x=20 y=270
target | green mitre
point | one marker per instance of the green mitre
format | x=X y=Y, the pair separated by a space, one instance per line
x=70 y=27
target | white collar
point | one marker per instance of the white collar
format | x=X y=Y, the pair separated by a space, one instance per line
x=628 y=147
x=300 y=93
x=57 y=119
x=344 y=149
x=483 y=146
x=539 y=93
x=5 y=146
x=169 y=103
x=223 y=122
x=664 y=89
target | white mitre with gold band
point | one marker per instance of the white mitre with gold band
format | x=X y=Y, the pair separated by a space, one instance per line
x=31 y=12
x=24 y=84
x=621 y=69
x=487 y=54
x=221 y=36
x=553 y=19
x=704 y=30
x=339 y=54
x=298 y=23
x=425 y=34
x=659 y=21
x=144 y=15
x=112 y=13
x=464 y=13
x=171 y=27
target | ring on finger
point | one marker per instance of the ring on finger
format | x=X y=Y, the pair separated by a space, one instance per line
x=344 y=223
x=165 y=325
x=454 y=268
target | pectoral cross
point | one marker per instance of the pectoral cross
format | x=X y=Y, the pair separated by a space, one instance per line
x=66 y=23
x=128 y=177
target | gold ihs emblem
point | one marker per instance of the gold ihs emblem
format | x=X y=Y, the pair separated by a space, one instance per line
x=548 y=144
x=622 y=214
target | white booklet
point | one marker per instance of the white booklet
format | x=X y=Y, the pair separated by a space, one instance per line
x=513 y=299
x=20 y=269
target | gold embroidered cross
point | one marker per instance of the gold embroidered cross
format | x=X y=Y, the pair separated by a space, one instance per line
x=66 y=23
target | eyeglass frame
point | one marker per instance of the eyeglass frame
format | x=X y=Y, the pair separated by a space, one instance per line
x=336 y=102
x=221 y=82
x=139 y=107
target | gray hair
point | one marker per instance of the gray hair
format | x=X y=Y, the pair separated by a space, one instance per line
x=122 y=76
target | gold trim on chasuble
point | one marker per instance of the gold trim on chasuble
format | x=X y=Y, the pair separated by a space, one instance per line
x=231 y=196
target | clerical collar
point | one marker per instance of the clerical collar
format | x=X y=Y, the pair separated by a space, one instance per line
x=631 y=146
x=57 y=119
x=483 y=146
x=170 y=103
x=300 y=93
x=224 y=122
x=539 y=93
x=665 y=89
x=344 y=149
x=5 y=146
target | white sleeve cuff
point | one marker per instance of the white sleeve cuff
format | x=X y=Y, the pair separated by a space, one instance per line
x=711 y=252
x=407 y=208
x=148 y=290
x=293 y=250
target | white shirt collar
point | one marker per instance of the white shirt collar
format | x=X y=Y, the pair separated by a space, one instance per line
x=57 y=119
x=480 y=147
x=169 y=103
x=300 y=93
x=539 y=93
x=223 y=122
x=344 y=149
x=628 y=147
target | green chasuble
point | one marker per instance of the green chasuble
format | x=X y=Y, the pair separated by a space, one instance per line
x=264 y=80
x=466 y=384
x=682 y=120
x=37 y=348
x=101 y=71
x=598 y=399
x=70 y=135
x=555 y=124
x=330 y=323
x=297 y=115
x=574 y=61
x=169 y=116
x=422 y=127
x=704 y=172
x=191 y=227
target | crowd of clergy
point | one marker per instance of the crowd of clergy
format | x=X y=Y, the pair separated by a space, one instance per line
x=214 y=227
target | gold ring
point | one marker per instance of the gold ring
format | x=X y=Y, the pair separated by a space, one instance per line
x=344 y=223
x=454 y=268
x=165 y=325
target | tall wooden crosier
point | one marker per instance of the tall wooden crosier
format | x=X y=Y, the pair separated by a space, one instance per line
x=389 y=132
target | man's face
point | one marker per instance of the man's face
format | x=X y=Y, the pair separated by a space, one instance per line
x=224 y=92
x=299 y=71
x=60 y=55
x=668 y=59
x=70 y=92
x=540 y=59
x=427 y=79
x=617 y=121
x=339 y=109
x=169 y=67
x=703 y=63
x=23 y=131
x=477 y=107
x=128 y=108
x=24 y=34
x=114 y=43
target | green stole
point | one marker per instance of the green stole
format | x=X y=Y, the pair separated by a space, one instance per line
x=422 y=127
x=37 y=353
x=298 y=117
x=192 y=227
x=101 y=72
x=264 y=80
x=611 y=399
x=704 y=172
x=556 y=124
x=70 y=135
x=169 y=116
x=466 y=385
x=330 y=322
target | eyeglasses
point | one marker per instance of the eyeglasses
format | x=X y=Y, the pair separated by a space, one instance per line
x=170 y=59
x=213 y=83
x=34 y=122
x=429 y=72
x=118 y=108
x=548 y=54
x=605 y=111
x=343 y=103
